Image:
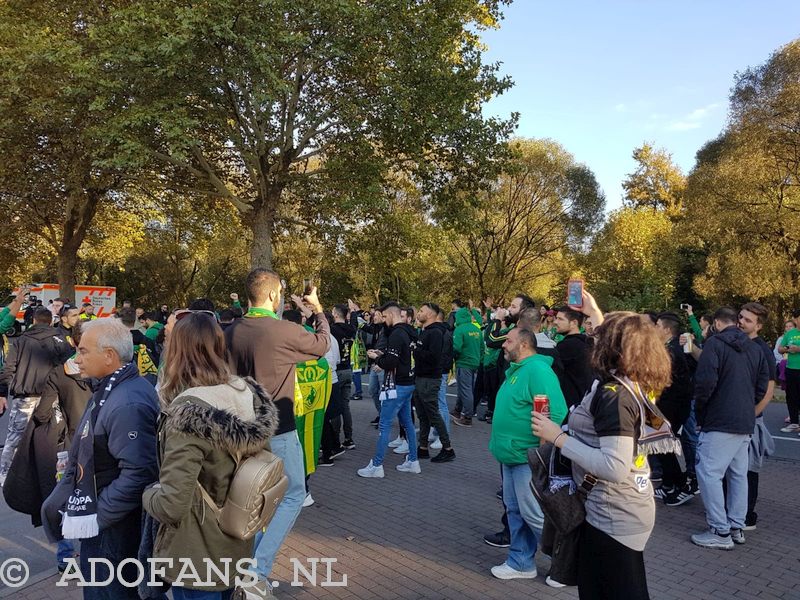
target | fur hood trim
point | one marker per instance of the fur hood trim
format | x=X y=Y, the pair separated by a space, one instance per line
x=225 y=431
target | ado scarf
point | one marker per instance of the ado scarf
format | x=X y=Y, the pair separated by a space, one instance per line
x=313 y=386
x=80 y=519
x=655 y=432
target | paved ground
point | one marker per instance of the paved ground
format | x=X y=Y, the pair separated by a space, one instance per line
x=419 y=536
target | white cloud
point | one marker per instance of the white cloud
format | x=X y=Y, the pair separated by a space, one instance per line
x=694 y=119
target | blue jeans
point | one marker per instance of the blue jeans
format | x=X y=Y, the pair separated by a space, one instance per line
x=64 y=549
x=689 y=442
x=182 y=593
x=389 y=409
x=723 y=456
x=357 y=381
x=443 y=408
x=525 y=517
x=465 y=383
x=375 y=383
x=287 y=447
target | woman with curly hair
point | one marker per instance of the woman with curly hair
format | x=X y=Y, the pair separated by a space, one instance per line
x=611 y=432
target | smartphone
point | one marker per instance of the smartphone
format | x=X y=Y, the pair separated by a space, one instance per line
x=684 y=306
x=575 y=292
x=307 y=287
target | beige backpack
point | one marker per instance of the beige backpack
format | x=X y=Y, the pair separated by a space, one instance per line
x=257 y=487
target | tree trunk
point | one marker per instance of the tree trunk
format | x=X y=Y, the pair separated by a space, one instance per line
x=67 y=266
x=262 y=222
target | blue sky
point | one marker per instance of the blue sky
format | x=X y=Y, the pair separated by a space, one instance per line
x=601 y=77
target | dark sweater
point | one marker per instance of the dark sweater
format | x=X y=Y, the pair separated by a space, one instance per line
x=345 y=335
x=732 y=377
x=428 y=351
x=577 y=377
x=397 y=357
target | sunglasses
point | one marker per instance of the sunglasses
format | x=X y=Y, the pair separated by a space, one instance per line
x=180 y=314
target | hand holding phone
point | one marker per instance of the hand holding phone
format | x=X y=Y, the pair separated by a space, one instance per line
x=575 y=293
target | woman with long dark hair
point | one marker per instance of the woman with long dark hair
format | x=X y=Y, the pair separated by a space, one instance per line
x=210 y=420
x=611 y=432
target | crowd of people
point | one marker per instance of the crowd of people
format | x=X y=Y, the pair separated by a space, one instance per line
x=627 y=395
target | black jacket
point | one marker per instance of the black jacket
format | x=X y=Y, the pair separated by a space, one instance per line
x=428 y=351
x=345 y=334
x=30 y=360
x=447 y=348
x=577 y=377
x=731 y=378
x=31 y=478
x=676 y=400
x=397 y=357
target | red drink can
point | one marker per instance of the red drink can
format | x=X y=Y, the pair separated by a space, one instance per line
x=541 y=404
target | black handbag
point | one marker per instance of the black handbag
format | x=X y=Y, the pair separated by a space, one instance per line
x=561 y=500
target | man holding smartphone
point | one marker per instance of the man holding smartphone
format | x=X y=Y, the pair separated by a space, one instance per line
x=268 y=349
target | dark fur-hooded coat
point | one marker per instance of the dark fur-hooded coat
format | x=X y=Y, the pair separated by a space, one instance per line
x=199 y=434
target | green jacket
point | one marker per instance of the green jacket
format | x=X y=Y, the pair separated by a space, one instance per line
x=511 y=421
x=6 y=320
x=696 y=329
x=491 y=349
x=152 y=332
x=467 y=341
x=198 y=433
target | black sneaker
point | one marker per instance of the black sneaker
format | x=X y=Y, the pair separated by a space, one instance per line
x=501 y=539
x=348 y=445
x=375 y=422
x=356 y=397
x=444 y=456
x=679 y=496
x=499 y=494
x=325 y=462
x=750 y=521
x=693 y=486
x=423 y=453
x=338 y=452
x=488 y=419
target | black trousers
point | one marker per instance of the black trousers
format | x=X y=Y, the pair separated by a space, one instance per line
x=426 y=398
x=609 y=570
x=491 y=383
x=793 y=394
x=330 y=436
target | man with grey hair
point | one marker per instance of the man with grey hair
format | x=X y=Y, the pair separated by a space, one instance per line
x=111 y=461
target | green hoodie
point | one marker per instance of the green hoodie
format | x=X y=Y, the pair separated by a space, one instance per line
x=511 y=421
x=467 y=341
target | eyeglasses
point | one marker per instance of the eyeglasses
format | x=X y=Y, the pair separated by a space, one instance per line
x=179 y=314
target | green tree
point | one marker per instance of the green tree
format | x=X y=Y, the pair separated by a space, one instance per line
x=743 y=196
x=51 y=184
x=632 y=263
x=250 y=101
x=656 y=183
x=543 y=204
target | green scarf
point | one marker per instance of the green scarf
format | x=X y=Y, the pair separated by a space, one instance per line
x=255 y=313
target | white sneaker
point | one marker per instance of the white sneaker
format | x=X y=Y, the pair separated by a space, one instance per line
x=371 y=471
x=308 y=501
x=402 y=448
x=791 y=428
x=410 y=467
x=436 y=444
x=260 y=590
x=505 y=572
x=553 y=583
x=396 y=442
